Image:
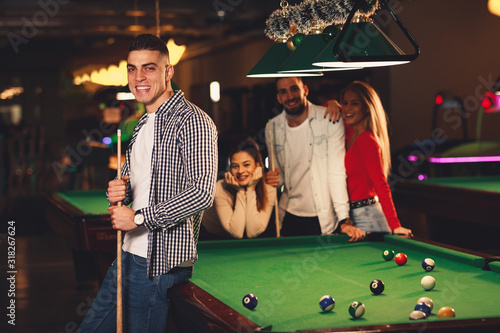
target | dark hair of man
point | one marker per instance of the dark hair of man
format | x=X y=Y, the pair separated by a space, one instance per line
x=148 y=42
x=250 y=146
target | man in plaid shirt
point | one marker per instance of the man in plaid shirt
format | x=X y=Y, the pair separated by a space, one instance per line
x=169 y=179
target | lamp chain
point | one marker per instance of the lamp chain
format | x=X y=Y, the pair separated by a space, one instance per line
x=157 y=5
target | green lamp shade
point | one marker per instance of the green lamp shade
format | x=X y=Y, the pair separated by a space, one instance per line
x=302 y=58
x=270 y=63
x=363 y=45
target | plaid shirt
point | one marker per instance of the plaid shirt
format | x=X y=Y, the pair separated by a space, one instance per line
x=183 y=174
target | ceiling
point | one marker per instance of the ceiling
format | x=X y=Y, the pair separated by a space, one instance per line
x=99 y=28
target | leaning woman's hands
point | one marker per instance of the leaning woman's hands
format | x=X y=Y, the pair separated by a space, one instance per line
x=229 y=178
x=257 y=175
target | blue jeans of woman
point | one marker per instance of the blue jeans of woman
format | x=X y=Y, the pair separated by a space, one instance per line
x=370 y=218
x=145 y=302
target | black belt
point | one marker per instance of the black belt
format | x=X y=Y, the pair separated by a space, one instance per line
x=364 y=202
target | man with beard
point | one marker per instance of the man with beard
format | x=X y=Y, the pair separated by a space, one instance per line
x=309 y=155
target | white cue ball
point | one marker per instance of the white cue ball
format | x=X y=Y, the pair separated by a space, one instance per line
x=428 y=282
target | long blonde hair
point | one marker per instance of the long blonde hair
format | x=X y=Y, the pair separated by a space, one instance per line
x=376 y=121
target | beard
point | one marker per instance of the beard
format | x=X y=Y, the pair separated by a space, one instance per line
x=296 y=110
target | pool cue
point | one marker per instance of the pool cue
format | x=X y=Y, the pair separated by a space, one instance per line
x=271 y=153
x=119 y=295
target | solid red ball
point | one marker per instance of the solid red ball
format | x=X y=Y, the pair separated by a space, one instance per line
x=400 y=259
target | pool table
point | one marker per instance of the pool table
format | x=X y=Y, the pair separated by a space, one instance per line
x=289 y=275
x=82 y=218
x=470 y=199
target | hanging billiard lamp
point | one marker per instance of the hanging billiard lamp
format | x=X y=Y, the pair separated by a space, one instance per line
x=362 y=43
x=271 y=61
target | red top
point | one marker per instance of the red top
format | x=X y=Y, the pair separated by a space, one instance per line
x=365 y=175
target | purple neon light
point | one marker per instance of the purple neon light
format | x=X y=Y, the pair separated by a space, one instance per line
x=412 y=158
x=467 y=159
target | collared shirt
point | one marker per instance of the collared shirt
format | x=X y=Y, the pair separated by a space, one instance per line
x=327 y=171
x=183 y=175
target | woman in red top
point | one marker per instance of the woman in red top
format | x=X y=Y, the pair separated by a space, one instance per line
x=367 y=160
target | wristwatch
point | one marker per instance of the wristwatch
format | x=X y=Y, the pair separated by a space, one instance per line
x=347 y=221
x=138 y=218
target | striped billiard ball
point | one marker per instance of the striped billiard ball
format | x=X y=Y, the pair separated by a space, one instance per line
x=428 y=264
x=356 y=309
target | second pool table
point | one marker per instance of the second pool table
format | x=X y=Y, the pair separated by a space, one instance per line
x=82 y=218
x=469 y=199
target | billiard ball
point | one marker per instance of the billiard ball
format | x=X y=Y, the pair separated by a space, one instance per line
x=428 y=264
x=424 y=308
x=446 y=312
x=416 y=315
x=428 y=282
x=401 y=259
x=250 y=301
x=356 y=309
x=377 y=287
x=326 y=303
x=388 y=254
x=427 y=301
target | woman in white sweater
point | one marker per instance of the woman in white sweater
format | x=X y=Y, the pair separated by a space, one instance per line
x=243 y=201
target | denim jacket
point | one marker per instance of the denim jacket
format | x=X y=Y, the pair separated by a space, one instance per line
x=327 y=170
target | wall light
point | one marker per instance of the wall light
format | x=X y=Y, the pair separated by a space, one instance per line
x=494 y=7
x=215 y=91
x=9 y=93
x=175 y=51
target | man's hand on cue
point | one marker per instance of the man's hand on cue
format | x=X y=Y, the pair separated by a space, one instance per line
x=272 y=177
x=117 y=189
x=122 y=218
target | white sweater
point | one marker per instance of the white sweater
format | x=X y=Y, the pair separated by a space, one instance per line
x=223 y=221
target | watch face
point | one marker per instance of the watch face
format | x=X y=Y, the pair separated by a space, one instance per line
x=139 y=219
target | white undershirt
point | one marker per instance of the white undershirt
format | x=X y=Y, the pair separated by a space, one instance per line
x=136 y=240
x=299 y=152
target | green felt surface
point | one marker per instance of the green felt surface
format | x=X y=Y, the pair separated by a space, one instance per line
x=289 y=276
x=495 y=266
x=90 y=202
x=486 y=183
x=476 y=148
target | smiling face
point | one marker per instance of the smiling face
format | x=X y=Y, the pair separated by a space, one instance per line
x=292 y=94
x=242 y=167
x=354 y=112
x=148 y=76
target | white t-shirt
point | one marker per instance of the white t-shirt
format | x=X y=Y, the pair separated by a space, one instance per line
x=136 y=240
x=299 y=152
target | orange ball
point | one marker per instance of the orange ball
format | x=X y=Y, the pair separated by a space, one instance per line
x=446 y=312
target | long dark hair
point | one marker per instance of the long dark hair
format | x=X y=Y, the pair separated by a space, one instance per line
x=250 y=146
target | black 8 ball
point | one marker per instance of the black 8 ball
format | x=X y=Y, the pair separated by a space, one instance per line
x=377 y=287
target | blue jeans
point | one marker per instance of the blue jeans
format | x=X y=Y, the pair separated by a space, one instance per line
x=370 y=218
x=145 y=302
